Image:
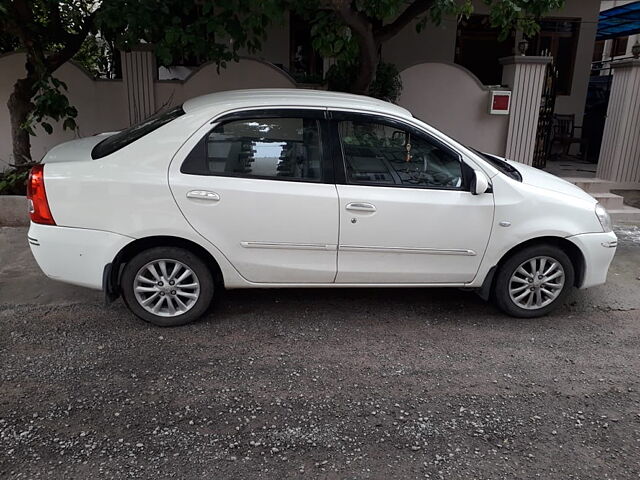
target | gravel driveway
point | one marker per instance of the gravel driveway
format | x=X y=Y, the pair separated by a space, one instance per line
x=324 y=384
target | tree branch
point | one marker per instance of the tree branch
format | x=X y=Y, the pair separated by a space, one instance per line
x=390 y=30
x=22 y=17
x=362 y=30
x=55 y=19
x=72 y=44
x=358 y=22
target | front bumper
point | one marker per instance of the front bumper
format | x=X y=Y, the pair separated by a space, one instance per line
x=74 y=255
x=598 y=250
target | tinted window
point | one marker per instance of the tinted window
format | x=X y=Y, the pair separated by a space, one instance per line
x=381 y=154
x=129 y=135
x=283 y=148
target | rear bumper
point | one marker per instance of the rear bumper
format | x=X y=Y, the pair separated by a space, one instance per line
x=74 y=255
x=598 y=250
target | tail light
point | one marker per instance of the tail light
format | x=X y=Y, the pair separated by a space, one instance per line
x=37 y=197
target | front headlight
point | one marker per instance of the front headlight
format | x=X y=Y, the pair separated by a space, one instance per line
x=604 y=218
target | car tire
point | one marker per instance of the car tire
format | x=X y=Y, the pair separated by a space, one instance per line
x=520 y=294
x=154 y=292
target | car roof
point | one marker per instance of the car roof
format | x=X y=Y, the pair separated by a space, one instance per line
x=279 y=97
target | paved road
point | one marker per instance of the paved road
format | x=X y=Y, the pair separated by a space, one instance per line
x=319 y=384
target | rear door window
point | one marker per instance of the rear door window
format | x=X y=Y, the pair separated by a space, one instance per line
x=281 y=148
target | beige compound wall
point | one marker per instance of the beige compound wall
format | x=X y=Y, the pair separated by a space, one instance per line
x=100 y=105
x=446 y=96
x=248 y=73
x=103 y=105
x=452 y=99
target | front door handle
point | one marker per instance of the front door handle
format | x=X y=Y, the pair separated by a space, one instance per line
x=203 y=195
x=361 y=207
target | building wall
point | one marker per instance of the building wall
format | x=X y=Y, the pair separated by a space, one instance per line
x=437 y=44
x=608 y=45
x=606 y=5
x=433 y=44
x=276 y=48
x=587 y=11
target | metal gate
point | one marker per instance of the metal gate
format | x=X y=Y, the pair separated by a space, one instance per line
x=544 y=134
x=595 y=110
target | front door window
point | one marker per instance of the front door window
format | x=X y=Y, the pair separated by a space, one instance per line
x=381 y=154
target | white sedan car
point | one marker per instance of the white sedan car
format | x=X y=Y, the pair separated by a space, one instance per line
x=295 y=188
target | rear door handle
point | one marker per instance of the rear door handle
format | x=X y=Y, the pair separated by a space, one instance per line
x=203 y=195
x=361 y=207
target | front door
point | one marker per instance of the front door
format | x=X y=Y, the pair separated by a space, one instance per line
x=255 y=186
x=406 y=212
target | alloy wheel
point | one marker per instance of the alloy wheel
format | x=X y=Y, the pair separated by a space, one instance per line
x=166 y=287
x=536 y=283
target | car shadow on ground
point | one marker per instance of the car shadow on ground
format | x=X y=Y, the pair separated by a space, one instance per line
x=434 y=305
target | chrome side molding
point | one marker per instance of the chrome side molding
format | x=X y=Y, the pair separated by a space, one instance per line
x=426 y=251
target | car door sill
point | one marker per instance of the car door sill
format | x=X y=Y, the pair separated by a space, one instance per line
x=350 y=285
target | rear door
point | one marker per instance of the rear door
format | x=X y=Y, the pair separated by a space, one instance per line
x=257 y=185
x=406 y=211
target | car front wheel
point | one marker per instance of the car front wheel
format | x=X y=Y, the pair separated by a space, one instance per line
x=167 y=286
x=533 y=281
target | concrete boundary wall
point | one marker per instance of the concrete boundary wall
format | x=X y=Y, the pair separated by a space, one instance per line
x=444 y=95
x=453 y=100
x=108 y=105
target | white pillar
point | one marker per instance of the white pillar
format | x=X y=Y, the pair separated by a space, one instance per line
x=620 y=151
x=138 y=74
x=525 y=76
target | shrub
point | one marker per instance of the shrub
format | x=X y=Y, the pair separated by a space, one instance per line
x=14 y=180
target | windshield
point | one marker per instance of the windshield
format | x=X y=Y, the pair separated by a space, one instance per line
x=129 y=135
x=506 y=168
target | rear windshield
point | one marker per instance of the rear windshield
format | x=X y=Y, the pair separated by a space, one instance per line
x=129 y=135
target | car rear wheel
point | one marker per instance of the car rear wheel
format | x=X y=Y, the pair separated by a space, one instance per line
x=167 y=286
x=533 y=281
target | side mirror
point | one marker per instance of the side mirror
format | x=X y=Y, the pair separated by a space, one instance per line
x=479 y=183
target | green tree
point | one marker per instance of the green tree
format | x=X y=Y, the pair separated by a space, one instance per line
x=51 y=32
x=353 y=31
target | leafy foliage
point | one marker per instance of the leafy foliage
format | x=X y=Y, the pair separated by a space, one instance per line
x=523 y=15
x=442 y=8
x=341 y=75
x=332 y=38
x=53 y=31
x=50 y=32
x=51 y=103
x=206 y=30
x=14 y=180
x=387 y=84
x=353 y=32
x=97 y=56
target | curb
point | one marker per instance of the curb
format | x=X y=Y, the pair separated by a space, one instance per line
x=13 y=211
